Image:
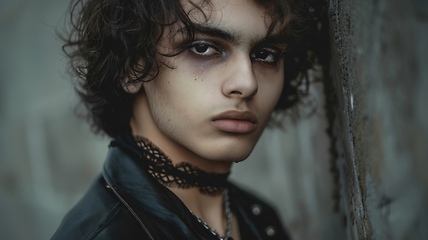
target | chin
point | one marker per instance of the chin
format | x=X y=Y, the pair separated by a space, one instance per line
x=230 y=154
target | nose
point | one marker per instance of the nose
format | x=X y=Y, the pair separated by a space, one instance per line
x=240 y=81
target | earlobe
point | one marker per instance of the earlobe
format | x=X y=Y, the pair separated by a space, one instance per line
x=132 y=86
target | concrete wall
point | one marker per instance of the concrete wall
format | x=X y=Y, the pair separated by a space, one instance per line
x=379 y=119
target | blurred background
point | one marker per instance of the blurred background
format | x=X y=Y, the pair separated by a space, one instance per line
x=47 y=156
x=356 y=169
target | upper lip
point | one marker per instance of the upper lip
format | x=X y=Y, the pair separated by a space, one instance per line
x=237 y=115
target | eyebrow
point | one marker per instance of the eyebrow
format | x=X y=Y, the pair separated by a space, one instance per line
x=217 y=33
x=234 y=38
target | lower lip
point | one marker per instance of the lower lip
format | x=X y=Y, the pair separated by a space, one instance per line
x=234 y=126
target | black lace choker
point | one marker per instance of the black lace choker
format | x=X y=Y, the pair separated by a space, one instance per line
x=182 y=175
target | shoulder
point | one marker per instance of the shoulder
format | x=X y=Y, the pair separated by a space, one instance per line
x=98 y=215
x=253 y=203
x=257 y=213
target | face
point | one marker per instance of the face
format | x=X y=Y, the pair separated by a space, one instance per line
x=214 y=99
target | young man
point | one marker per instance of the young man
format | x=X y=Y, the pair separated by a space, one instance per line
x=185 y=89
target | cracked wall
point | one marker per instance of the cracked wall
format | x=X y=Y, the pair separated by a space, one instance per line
x=378 y=89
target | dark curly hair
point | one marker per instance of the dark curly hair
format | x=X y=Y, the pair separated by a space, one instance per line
x=113 y=40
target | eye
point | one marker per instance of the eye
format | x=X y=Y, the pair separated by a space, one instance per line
x=204 y=49
x=266 y=55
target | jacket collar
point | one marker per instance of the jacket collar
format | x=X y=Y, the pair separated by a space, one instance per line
x=152 y=204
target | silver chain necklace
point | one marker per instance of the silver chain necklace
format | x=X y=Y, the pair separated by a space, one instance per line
x=228 y=234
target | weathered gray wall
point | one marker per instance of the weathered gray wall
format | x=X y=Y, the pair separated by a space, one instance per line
x=380 y=78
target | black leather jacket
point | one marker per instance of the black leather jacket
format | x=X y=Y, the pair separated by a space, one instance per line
x=124 y=202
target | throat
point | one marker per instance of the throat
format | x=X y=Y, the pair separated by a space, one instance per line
x=212 y=213
x=204 y=194
x=182 y=175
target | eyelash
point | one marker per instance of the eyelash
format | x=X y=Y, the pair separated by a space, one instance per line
x=213 y=49
x=208 y=44
x=273 y=52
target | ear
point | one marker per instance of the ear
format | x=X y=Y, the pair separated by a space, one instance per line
x=132 y=86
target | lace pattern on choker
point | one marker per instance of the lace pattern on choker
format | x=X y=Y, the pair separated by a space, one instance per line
x=182 y=175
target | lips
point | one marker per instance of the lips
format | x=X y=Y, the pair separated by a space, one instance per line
x=235 y=122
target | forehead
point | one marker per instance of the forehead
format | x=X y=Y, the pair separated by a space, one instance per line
x=196 y=9
x=199 y=10
x=236 y=16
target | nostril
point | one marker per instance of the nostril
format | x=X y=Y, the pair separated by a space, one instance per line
x=236 y=92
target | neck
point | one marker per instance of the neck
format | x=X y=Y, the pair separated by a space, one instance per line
x=199 y=191
x=208 y=208
x=183 y=175
x=213 y=211
x=178 y=152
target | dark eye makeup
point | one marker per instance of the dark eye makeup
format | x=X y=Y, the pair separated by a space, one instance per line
x=270 y=55
x=267 y=54
x=204 y=48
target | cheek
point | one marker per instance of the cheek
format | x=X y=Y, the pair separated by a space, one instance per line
x=278 y=85
x=269 y=100
x=271 y=83
x=270 y=103
x=170 y=101
x=273 y=92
